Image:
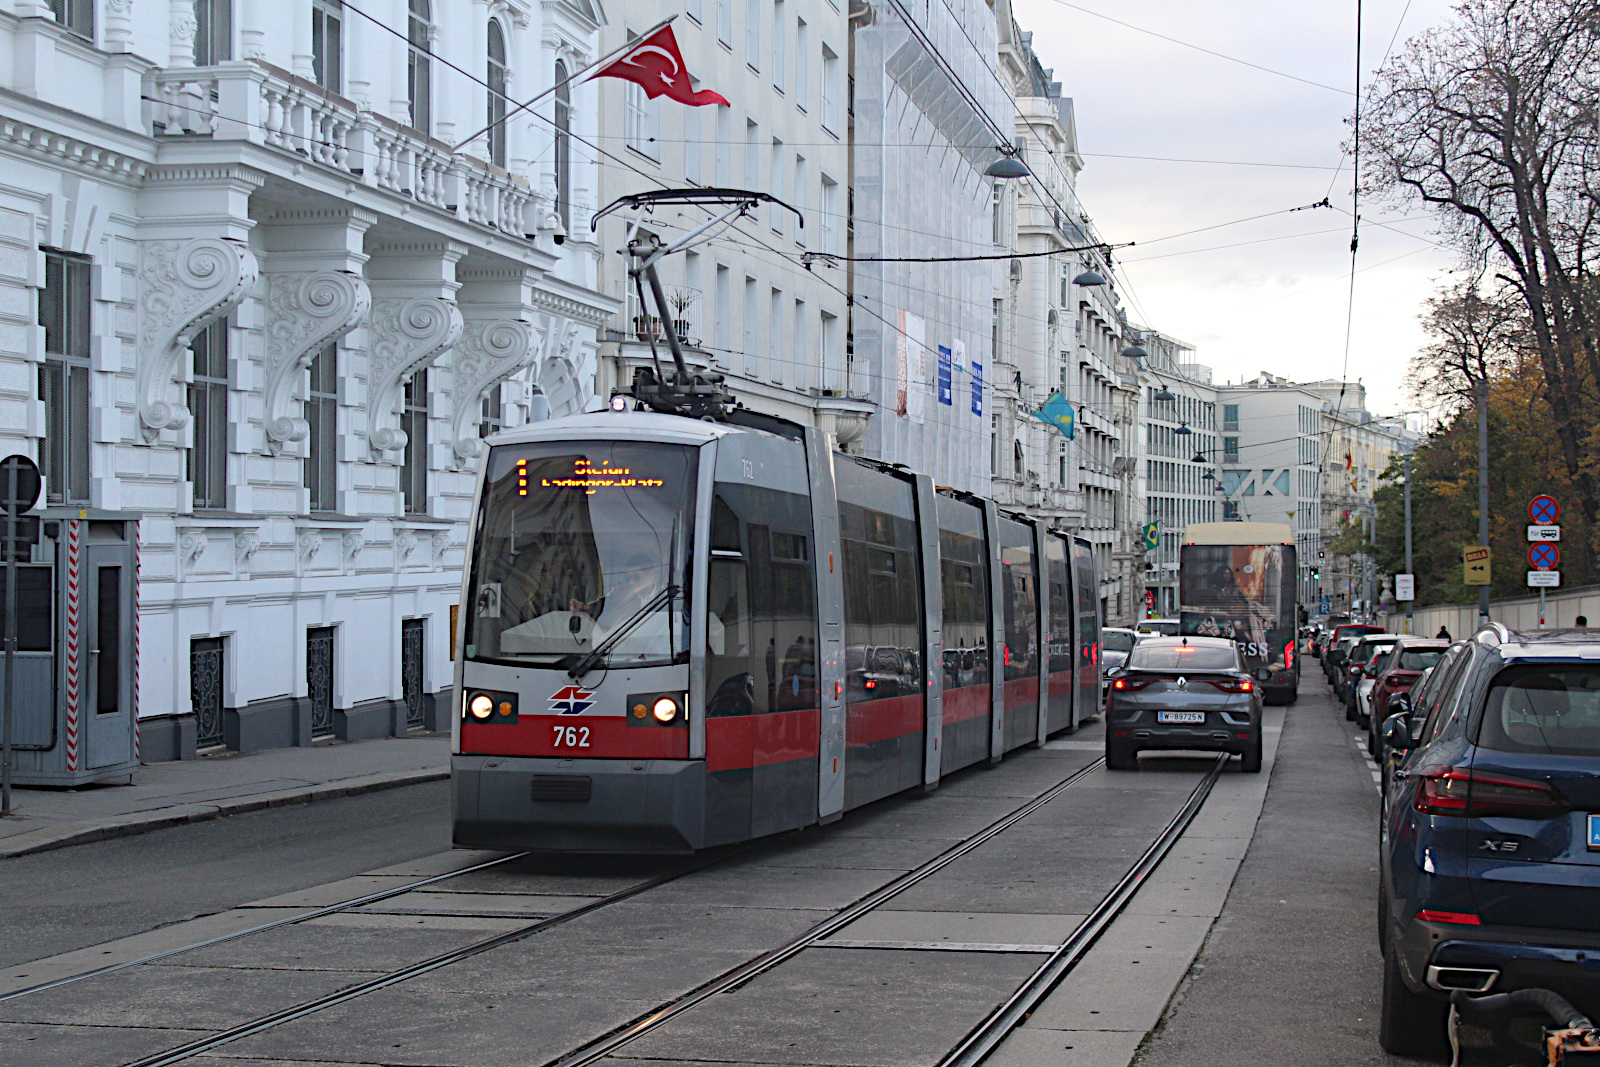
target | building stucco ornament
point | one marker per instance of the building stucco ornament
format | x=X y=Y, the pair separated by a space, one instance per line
x=184 y=287
x=405 y=543
x=488 y=353
x=192 y=545
x=245 y=544
x=406 y=335
x=354 y=542
x=307 y=311
x=309 y=544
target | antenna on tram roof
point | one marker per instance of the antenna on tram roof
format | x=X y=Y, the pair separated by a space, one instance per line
x=679 y=391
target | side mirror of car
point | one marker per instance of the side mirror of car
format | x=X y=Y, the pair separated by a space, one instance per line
x=1397 y=733
x=1263 y=674
x=1400 y=704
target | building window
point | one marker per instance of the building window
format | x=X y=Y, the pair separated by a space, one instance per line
x=800 y=198
x=827 y=215
x=802 y=63
x=493 y=418
x=327 y=44
x=322 y=446
x=830 y=90
x=724 y=297
x=724 y=148
x=695 y=10
x=752 y=34
x=414 y=421
x=64 y=378
x=563 y=146
x=497 y=93
x=802 y=371
x=997 y=205
x=725 y=22
x=1230 y=416
x=208 y=405
x=1230 y=450
x=751 y=317
x=775 y=177
x=641 y=119
x=692 y=147
x=994 y=331
x=777 y=44
x=775 y=336
x=213 y=32
x=419 y=64
x=75 y=15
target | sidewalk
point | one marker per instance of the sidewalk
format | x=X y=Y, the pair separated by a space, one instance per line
x=169 y=794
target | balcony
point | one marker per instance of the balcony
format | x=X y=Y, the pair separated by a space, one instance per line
x=256 y=103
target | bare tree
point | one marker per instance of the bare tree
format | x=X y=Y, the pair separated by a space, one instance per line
x=1472 y=336
x=1490 y=120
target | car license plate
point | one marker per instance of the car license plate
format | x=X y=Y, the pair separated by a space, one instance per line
x=1594 y=832
x=1200 y=716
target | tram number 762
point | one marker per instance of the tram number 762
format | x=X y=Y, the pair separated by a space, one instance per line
x=571 y=736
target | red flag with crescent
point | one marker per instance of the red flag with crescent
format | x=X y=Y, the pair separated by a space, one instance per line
x=655 y=65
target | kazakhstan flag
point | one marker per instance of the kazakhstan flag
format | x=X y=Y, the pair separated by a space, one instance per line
x=1058 y=413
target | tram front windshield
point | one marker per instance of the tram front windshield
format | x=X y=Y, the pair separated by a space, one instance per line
x=582 y=544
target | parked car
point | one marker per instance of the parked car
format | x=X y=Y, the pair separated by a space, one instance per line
x=1372 y=655
x=1183 y=693
x=1322 y=637
x=1115 y=644
x=1415 y=706
x=1352 y=669
x=1397 y=671
x=1490 y=848
x=1332 y=660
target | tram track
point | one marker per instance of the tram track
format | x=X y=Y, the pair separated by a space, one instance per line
x=971 y=1050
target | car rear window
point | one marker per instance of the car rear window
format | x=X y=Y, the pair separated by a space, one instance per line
x=1184 y=657
x=1420 y=659
x=1112 y=641
x=1552 y=710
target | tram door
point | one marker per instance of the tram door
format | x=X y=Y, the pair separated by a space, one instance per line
x=1086 y=655
x=885 y=711
x=1019 y=597
x=1059 y=641
x=964 y=581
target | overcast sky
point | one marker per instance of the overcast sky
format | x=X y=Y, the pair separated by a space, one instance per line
x=1279 y=304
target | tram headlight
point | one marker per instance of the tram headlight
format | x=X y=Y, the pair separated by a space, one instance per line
x=481 y=706
x=665 y=709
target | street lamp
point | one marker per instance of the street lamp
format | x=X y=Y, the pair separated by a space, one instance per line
x=1183 y=428
x=1007 y=166
x=1088 y=278
x=1199 y=457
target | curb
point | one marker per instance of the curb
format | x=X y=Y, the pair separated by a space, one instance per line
x=65 y=835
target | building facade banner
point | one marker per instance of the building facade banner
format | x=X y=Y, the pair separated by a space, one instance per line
x=911 y=388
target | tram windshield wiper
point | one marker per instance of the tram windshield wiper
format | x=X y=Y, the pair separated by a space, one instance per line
x=577 y=671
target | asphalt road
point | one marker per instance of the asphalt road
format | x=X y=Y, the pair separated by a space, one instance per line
x=74 y=897
x=1291 y=972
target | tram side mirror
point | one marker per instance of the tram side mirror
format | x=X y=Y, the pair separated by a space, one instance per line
x=1397 y=733
x=1263 y=674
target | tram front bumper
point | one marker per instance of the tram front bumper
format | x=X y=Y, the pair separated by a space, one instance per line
x=564 y=805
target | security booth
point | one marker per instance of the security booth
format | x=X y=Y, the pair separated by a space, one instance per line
x=73 y=706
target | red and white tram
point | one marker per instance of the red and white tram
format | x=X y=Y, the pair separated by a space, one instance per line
x=679 y=633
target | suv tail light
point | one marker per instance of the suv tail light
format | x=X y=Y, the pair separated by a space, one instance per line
x=1233 y=685
x=1470 y=794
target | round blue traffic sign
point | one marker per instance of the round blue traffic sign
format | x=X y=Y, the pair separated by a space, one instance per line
x=1543 y=556
x=1544 y=511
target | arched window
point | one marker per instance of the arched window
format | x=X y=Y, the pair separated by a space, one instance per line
x=497 y=94
x=419 y=69
x=563 y=146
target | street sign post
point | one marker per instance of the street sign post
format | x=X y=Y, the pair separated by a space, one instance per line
x=1543 y=580
x=1544 y=533
x=1475 y=564
x=19 y=491
x=1543 y=510
x=1405 y=587
x=1543 y=556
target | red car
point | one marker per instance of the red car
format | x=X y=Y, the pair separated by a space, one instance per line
x=1397 y=669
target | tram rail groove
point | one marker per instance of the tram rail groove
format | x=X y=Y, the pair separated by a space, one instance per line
x=403 y=974
x=290 y=920
x=987 y=1035
x=745 y=972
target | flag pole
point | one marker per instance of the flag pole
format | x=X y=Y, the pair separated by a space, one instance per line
x=646 y=35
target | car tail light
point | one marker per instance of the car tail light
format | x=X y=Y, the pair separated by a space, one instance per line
x=1460 y=918
x=1132 y=685
x=1233 y=685
x=1288 y=656
x=1473 y=794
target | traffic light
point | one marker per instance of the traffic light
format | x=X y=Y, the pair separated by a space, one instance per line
x=1316 y=574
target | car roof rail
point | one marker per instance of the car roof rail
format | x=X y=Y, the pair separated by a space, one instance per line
x=1493 y=632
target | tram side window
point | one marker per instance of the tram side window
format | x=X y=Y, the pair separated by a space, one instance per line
x=762 y=625
x=1018 y=594
x=1060 y=618
x=966 y=610
x=882 y=604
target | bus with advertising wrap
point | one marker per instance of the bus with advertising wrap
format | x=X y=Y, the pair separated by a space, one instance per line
x=1237 y=580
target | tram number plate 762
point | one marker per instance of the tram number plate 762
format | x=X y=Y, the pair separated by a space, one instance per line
x=571 y=736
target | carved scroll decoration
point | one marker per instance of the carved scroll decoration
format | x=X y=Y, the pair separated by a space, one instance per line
x=185 y=286
x=488 y=353
x=407 y=335
x=308 y=310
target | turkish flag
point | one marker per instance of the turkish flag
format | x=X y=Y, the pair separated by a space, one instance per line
x=655 y=65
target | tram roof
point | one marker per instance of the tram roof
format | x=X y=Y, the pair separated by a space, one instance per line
x=612 y=425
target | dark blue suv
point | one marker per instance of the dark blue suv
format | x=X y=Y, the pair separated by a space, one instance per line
x=1490 y=848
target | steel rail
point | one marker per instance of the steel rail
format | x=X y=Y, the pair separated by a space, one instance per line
x=987 y=1035
x=605 y=1046
x=299 y=1011
x=355 y=902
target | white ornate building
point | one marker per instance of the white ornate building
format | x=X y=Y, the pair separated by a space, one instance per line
x=255 y=288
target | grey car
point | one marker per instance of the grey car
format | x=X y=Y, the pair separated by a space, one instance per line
x=1183 y=693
